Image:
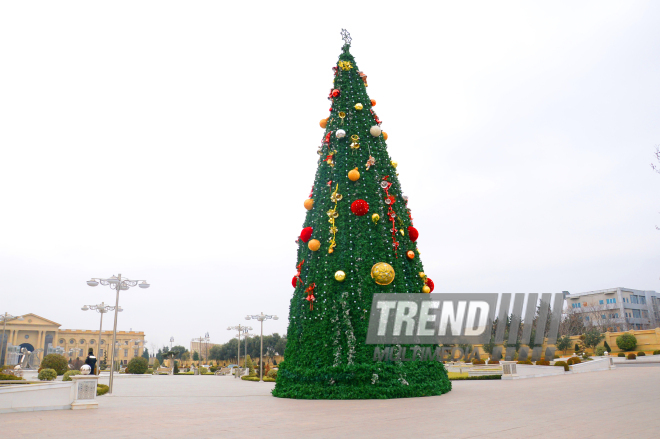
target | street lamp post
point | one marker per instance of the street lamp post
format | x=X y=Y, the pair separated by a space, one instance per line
x=261 y=317
x=116 y=283
x=101 y=308
x=6 y=317
x=239 y=328
x=171 y=342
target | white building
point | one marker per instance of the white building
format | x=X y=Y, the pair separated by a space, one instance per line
x=622 y=309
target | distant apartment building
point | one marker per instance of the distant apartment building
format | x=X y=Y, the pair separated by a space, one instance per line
x=620 y=309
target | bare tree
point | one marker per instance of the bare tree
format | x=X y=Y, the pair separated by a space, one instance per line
x=571 y=322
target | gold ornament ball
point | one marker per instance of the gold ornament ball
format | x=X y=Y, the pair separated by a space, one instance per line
x=309 y=203
x=384 y=135
x=354 y=175
x=375 y=131
x=323 y=123
x=410 y=254
x=314 y=245
x=394 y=164
x=358 y=106
x=426 y=289
x=382 y=273
x=340 y=276
x=421 y=274
x=375 y=217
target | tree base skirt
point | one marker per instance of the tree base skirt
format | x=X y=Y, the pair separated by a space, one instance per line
x=363 y=381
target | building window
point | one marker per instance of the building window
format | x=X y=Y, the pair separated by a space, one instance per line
x=137 y=343
x=92 y=341
x=101 y=353
x=642 y=300
x=633 y=299
x=611 y=301
x=135 y=353
x=586 y=318
x=636 y=314
x=600 y=302
x=61 y=341
x=103 y=342
x=82 y=341
x=125 y=352
x=603 y=317
x=72 y=341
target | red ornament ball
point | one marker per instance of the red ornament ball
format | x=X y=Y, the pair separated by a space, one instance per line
x=335 y=93
x=294 y=281
x=413 y=234
x=429 y=283
x=306 y=234
x=359 y=207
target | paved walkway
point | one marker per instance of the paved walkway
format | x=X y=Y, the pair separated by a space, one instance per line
x=612 y=404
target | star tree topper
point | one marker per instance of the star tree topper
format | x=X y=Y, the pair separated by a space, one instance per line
x=346 y=36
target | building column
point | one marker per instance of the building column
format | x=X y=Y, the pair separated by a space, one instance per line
x=622 y=312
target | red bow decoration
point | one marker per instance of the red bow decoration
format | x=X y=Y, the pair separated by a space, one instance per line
x=310 y=295
x=298 y=267
x=327 y=137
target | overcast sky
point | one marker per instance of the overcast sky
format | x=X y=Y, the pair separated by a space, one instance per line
x=176 y=142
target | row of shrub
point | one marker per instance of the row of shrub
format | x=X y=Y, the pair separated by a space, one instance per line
x=484 y=377
x=256 y=378
x=5 y=377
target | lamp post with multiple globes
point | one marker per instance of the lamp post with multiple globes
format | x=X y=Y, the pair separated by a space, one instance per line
x=119 y=284
x=261 y=317
x=101 y=308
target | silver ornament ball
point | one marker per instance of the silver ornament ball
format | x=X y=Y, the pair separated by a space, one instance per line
x=340 y=133
x=375 y=131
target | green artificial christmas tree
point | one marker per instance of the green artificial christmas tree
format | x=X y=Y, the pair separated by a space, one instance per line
x=358 y=239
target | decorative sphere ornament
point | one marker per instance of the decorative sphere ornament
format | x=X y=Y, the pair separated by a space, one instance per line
x=394 y=164
x=430 y=284
x=294 y=281
x=382 y=273
x=375 y=217
x=413 y=233
x=309 y=203
x=375 y=131
x=314 y=245
x=340 y=276
x=85 y=369
x=384 y=135
x=323 y=123
x=335 y=93
x=358 y=106
x=410 y=254
x=426 y=289
x=354 y=174
x=373 y=102
x=359 y=207
x=306 y=234
x=340 y=134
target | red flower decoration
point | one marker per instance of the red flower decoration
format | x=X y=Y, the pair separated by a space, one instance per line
x=413 y=233
x=306 y=234
x=430 y=284
x=359 y=207
x=391 y=198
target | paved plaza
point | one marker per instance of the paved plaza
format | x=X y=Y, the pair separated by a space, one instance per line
x=612 y=404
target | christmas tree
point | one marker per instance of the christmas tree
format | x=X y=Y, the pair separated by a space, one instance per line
x=358 y=239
